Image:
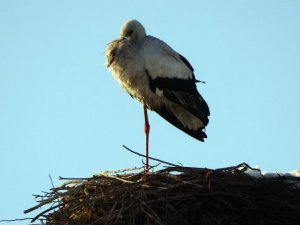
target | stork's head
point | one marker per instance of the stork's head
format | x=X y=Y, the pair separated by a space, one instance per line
x=133 y=30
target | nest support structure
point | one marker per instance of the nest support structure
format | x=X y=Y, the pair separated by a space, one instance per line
x=171 y=196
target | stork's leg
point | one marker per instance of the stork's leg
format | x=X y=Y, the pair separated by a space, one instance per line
x=147 y=130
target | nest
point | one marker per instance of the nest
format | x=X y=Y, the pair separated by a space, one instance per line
x=171 y=196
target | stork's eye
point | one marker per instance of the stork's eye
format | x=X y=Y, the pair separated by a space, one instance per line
x=130 y=32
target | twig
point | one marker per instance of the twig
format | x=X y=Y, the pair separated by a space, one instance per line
x=51 y=181
x=119 y=171
x=158 y=160
x=44 y=212
x=114 y=177
x=73 y=178
x=49 y=200
x=14 y=220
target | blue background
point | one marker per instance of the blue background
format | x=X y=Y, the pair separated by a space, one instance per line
x=62 y=113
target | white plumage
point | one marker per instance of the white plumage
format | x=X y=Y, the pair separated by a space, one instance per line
x=160 y=78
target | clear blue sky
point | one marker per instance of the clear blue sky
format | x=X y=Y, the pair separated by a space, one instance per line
x=61 y=112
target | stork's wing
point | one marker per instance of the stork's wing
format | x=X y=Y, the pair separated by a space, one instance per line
x=171 y=75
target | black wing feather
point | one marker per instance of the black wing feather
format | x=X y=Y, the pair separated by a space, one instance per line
x=167 y=115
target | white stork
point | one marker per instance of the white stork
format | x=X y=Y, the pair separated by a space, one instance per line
x=160 y=78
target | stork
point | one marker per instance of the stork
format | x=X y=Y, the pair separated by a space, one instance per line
x=158 y=77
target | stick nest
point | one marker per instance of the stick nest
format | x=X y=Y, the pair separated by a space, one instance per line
x=175 y=195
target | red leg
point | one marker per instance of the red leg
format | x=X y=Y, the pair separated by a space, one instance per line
x=147 y=130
